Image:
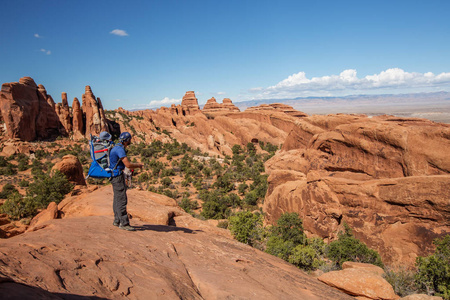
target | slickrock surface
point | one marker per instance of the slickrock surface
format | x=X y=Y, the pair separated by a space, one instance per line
x=387 y=177
x=83 y=254
x=28 y=112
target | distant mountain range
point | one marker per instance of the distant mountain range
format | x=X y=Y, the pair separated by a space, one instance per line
x=434 y=106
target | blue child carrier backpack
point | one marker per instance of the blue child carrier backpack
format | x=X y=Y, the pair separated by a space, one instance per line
x=100 y=150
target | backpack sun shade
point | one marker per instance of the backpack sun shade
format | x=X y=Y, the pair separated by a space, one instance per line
x=100 y=151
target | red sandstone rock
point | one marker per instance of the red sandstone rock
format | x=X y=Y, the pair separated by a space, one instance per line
x=190 y=102
x=212 y=106
x=362 y=266
x=386 y=177
x=84 y=255
x=72 y=168
x=93 y=110
x=77 y=119
x=358 y=282
x=289 y=110
x=50 y=213
x=421 y=297
x=27 y=111
x=63 y=112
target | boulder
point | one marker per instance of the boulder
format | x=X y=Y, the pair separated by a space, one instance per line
x=362 y=266
x=421 y=297
x=50 y=213
x=360 y=283
x=72 y=168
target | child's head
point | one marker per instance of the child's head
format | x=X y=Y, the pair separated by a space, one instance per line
x=105 y=136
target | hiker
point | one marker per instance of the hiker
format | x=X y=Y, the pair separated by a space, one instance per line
x=118 y=162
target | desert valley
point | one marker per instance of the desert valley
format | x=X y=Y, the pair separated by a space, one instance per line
x=207 y=205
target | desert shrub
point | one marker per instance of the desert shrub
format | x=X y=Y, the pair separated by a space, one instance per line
x=9 y=169
x=24 y=183
x=242 y=187
x=223 y=224
x=7 y=190
x=246 y=227
x=305 y=257
x=214 y=205
x=402 y=281
x=188 y=205
x=286 y=235
x=349 y=248
x=166 y=181
x=18 y=207
x=433 y=274
x=3 y=162
x=251 y=198
x=46 y=189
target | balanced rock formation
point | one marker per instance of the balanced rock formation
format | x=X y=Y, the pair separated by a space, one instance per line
x=94 y=113
x=83 y=255
x=226 y=106
x=386 y=177
x=28 y=112
x=71 y=167
x=190 y=103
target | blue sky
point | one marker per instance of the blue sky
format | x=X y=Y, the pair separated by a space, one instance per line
x=138 y=54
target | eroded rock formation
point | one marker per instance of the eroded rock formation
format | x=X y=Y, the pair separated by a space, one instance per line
x=387 y=177
x=71 y=167
x=94 y=113
x=212 y=106
x=28 y=112
x=190 y=103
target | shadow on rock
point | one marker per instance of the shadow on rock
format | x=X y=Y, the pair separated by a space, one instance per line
x=165 y=228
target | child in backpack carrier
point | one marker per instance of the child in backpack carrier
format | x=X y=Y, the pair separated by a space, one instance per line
x=102 y=145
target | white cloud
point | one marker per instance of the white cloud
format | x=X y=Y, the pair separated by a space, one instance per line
x=119 y=32
x=220 y=93
x=299 y=85
x=164 y=101
x=36 y=35
x=48 y=52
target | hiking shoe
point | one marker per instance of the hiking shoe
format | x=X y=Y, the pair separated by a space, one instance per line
x=127 y=227
x=116 y=223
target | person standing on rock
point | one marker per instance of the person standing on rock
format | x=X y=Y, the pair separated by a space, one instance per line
x=118 y=162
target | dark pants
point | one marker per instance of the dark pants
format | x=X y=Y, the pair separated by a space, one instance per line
x=120 y=200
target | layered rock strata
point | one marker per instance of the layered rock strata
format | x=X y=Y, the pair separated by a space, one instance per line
x=387 y=177
x=212 y=106
x=189 y=103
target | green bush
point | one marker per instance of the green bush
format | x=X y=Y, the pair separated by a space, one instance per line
x=433 y=275
x=246 y=227
x=18 y=207
x=7 y=190
x=305 y=257
x=349 y=248
x=188 y=205
x=286 y=235
x=46 y=189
